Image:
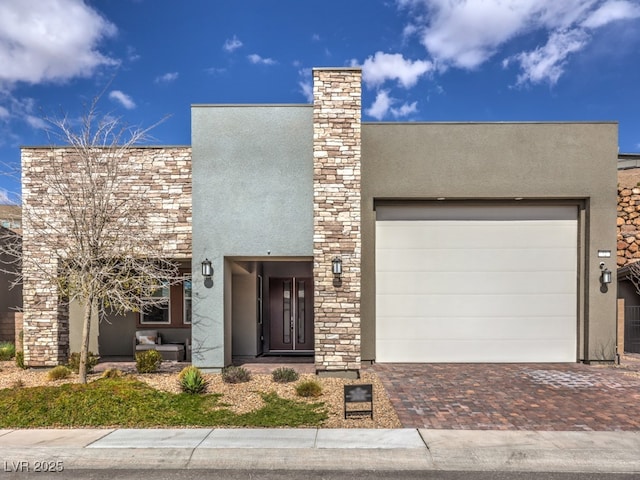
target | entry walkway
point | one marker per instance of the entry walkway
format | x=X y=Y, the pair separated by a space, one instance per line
x=571 y=397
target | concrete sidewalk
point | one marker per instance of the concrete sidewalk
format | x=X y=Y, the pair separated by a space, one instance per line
x=317 y=449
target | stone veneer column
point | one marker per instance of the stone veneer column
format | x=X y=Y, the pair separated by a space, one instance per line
x=336 y=218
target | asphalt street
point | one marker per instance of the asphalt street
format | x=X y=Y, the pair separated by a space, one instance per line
x=136 y=474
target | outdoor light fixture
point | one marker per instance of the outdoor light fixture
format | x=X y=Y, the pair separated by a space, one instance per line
x=336 y=269
x=605 y=276
x=207 y=268
x=336 y=266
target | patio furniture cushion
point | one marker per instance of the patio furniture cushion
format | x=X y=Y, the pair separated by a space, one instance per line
x=147 y=337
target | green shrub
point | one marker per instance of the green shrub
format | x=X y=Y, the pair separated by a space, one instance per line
x=235 y=375
x=20 y=360
x=112 y=373
x=148 y=361
x=74 y=361
x=309 y=388
x=59 y=373
x=192 y=381
x=284 y=375
x=7 y=351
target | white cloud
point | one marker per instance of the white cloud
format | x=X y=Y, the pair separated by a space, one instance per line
x=383 y=105
x=546 y=63
x=385 y=66
x=405 y=110
x=257 y=59
x=306 y=84
x=232 y=44
x=380 y=106
x=215 y=70
x=22 y=109
x=123 y=99
x=132 y=55
x=167 y=77
x=36 y=122
x=466 y=33
x=610 y=12
x=5 y=198
x=50 y=41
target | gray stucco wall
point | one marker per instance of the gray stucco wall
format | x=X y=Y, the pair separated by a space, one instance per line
x=252 y=197
x=536 y=161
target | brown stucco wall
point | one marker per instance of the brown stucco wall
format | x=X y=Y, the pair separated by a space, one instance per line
x=540 y=162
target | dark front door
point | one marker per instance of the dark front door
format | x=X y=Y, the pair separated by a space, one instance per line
x=290 y=314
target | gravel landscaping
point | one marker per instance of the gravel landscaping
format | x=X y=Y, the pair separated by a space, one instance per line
x=241 y=397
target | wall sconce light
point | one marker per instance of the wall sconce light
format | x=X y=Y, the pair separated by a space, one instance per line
x=336 y=269
x=207 y=268
x=605 y=276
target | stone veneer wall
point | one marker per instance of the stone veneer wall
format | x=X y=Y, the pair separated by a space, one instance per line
x=628 y=246
x=159 y=178
x=336 y=221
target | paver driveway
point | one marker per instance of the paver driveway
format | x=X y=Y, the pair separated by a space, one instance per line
x=513 y=396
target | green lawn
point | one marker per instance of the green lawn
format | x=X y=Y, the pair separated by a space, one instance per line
x=125 y=402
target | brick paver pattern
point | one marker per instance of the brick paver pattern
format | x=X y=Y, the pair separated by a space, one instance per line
x=513 y=396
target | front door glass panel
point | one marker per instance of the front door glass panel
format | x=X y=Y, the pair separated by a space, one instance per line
x=291 y=314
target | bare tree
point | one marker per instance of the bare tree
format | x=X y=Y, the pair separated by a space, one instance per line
x=634 y=273
x=106 y=254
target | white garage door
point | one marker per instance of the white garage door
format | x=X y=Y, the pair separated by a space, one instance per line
x=476 y=284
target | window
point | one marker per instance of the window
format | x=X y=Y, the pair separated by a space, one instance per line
x=186 y=300
x=160 y=312
x=174 y=307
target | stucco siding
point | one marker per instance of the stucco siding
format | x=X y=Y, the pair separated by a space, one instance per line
x=547 y=162
x=252 y=197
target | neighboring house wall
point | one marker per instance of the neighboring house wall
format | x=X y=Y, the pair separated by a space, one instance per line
x=628 y=248
x=157 y=177
x=551 y=162
x=11 y=217
x=252 y=201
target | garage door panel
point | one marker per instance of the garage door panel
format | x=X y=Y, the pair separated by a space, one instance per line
x=496 y=288
x=481 y=306
x=488 y=260
x=476 y=352
x=459 y=235
x=474 y=328
x=477 y=283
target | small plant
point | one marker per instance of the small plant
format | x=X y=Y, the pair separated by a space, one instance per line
x=148 y=361
x=20 y=360
x=112 y=373
x=192 y=381
x=74 y=361
x=17 y=384
x=284 y=375
x=7 y=351
x=59 y=373
x=234 y=374
x=309 y=388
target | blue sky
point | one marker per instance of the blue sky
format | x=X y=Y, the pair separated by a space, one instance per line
x=422 y=60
